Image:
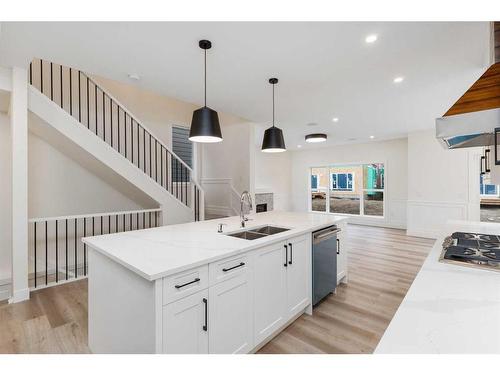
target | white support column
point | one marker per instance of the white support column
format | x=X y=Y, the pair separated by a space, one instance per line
x=19 y=138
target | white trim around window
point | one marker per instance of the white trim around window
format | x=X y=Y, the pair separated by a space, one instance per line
x=361 y=194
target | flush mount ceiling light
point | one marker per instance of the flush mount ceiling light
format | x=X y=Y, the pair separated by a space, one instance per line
x=372 y=38
x=316 y=138
x=273 y=137
x=205 y=126
x=398 y=79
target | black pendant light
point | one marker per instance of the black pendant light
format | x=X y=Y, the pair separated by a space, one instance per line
x=205 y=126
x=273 y=137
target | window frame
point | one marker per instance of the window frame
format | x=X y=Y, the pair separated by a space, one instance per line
x=361 y=194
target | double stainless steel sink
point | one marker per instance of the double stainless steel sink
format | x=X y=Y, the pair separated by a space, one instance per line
x=256 y=233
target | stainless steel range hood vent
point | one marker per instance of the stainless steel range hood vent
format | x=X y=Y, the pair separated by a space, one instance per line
x=474 y=129
x=472 y=120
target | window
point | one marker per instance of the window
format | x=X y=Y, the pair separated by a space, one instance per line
x=356 y=189
x=183 y=148
x=342 y=181
x=488 y=189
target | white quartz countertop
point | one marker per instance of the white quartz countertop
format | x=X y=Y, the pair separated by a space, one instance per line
x=159 y=252
x=449 y=308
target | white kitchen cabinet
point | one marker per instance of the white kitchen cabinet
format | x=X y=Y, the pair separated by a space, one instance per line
x=298 y=274
x=230 y=314
x=341 y=256
x=269 y=290
x=185 y=325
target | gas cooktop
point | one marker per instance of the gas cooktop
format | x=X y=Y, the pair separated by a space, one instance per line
x=472 y=249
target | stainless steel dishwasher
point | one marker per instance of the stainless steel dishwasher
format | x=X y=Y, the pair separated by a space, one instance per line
x=324 y=255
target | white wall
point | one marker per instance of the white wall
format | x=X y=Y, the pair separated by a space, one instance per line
x=229 y=159
x=442 y=184
x=5 y=200
x=392 y=153
x=228 y=162
x=60 y=186
x=273 y=173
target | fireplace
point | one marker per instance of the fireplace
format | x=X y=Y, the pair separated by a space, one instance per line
x=261 y=207
x=263 y=201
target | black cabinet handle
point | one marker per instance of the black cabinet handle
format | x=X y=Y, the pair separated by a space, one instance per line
x=189 y=283
x=291 y=254
x=487 y=160
x=338 y=246
x=205 y=326
x=481 y=162
x=286 y=256
x=232 y=268
x=496 y=135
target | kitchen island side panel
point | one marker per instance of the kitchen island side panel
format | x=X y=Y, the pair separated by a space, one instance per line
x=121 y=308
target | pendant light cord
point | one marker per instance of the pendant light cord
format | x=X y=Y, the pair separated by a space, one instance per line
x=273 y=105
x=205 y=78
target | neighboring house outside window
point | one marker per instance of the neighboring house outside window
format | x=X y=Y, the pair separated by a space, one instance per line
x=342 y=181
x=488 y=190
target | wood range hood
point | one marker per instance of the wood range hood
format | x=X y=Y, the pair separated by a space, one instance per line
x=471 y=121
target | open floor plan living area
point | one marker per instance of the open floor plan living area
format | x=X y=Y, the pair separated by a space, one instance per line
x=249 y=188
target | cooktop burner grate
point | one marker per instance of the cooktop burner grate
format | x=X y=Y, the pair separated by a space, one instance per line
x=476 y=236
x=472 y=249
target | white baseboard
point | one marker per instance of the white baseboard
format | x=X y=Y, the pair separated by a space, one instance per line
x=20 y=295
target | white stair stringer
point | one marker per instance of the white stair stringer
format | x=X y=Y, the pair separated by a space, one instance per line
x=55 y=118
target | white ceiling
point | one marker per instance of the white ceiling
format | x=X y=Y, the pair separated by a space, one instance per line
x=325 y=70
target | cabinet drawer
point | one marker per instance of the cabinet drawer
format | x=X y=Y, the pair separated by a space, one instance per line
x=184 y=284
x=227 y=268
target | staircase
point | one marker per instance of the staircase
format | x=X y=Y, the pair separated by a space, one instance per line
x=79 y=115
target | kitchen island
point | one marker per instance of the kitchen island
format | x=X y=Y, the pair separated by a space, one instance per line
x=189 y=289
x=449 y=308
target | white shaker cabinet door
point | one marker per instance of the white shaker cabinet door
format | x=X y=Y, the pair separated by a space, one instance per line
x=185 y=325
x=230 y=314
x=269 y=290
x=298 y=274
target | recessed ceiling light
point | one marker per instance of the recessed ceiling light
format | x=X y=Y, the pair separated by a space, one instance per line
x=312 y=124
x=335 y=119
x=398 y=79
x=316 y=138
x=299 y=146
x=134 y=76
x=372 y=136
x=371 y=38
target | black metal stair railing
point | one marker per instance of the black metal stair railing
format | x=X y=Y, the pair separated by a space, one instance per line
x=81 y=97
x=56 y=251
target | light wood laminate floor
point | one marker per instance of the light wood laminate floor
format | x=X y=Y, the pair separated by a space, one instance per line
x=382 y=265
